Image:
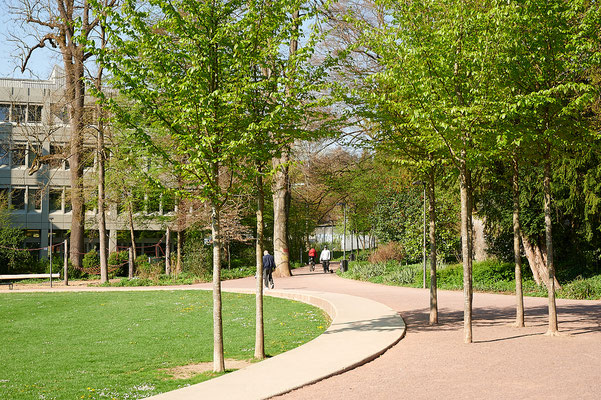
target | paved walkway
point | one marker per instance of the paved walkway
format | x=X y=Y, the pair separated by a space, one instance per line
x=504 y=362
x=433 y=362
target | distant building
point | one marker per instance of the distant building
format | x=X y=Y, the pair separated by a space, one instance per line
x=34 y=125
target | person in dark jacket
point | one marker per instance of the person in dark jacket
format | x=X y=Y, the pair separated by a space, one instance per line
x=268 y=267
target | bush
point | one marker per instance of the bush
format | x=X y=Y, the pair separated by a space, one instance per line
x=403 y=276
x=582 y=289
x=91 y=261
x=149 y=269
x=118 y=263
x=390 y=251
x=197 y=259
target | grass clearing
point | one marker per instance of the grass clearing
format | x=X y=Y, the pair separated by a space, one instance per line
x=121 y=345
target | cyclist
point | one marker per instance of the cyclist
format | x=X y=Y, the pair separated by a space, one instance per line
x=312 y=254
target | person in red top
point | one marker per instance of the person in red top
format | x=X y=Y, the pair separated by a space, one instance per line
x=312 y=254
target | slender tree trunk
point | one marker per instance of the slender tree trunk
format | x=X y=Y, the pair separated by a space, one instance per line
x=75 y=95
x=466 y=251
x=218 y=361
x=168 y=251
x=280 y=215
x=178 y=268
x=102 y=233
x=549 y=241
x=259 y=325
x=132 y=236
x=519 y=295
x=432 y=216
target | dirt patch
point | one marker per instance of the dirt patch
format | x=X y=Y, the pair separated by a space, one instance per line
x=188 y=371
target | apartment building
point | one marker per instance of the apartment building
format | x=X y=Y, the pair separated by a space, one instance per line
x=34 y=126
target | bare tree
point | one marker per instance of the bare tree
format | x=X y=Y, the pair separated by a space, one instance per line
x=66 y=25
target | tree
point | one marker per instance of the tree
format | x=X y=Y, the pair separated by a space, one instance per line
x=187 y=67
x=68 y=25
x=548 y=91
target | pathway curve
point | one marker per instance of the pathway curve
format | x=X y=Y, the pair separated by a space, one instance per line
x=504 y=362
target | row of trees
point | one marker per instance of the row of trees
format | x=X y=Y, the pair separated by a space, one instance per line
x=466 y=85
x=214 y=94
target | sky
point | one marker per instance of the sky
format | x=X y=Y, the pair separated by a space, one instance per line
x=41 y=62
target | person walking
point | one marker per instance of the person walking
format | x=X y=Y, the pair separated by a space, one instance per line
x=324 y=258
x=268 y=267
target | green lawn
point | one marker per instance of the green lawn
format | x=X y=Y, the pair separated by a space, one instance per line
x=115 y=345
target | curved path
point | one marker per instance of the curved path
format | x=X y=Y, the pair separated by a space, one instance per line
x=504 y=362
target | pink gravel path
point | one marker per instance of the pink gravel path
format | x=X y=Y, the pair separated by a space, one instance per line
x=504 y=362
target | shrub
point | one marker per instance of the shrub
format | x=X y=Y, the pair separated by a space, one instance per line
x=197 y=258
x=148 y=268
x=404 y=275
x=118 y=263
x=91 y=262
x=389 y=251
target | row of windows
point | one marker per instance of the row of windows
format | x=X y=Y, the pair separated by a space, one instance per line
x=59 y=200
x=30 y=199
x=23 y=154
x=20 y=113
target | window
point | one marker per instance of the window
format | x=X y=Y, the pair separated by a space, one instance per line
x=4 y=154
x=60 y=112
x=32 y=153
x=34 y=113
x=87 y=157
x=55 y=200
x=4 y=193
x=18 y=155
x=4 y=112
x=34 y=199
x=19 y=113
x=153 y=201
x=56 y=151
x=68 y=207
x=168 y=203
x=17 y=199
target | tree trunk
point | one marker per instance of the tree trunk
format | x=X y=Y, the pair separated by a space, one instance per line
x=133 y=238
x=537 y=260
x=218 y=361
x=280 y=215
x=75 y=94
x=259 y=325
x=466 y=251
x=519 y=295
x=168 y=251
x=549 y=241
x=178 y=268
x=103 y=241
x=432 y=216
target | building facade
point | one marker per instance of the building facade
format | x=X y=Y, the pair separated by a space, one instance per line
x=34 y=165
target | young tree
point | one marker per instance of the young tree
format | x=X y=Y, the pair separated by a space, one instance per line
x=186 y=65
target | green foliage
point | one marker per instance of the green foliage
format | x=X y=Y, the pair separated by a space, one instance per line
x=11 y=261
x=118 y=261
x=196 y=257
x=119 y=340
x=398 y=216
x=91 y=260
x=488 y=276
